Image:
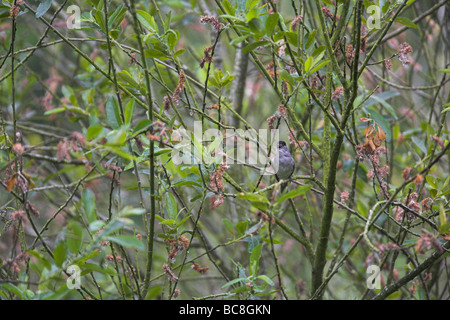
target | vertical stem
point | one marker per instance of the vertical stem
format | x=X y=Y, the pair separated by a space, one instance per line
x=320 y=257
x=151 y=227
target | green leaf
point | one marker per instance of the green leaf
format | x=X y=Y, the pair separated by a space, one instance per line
x=60 y=253
x=88 y=200
x=241 y=227
x=53 y=111
x=382 y=122
x=406 y=22
x=113 y=113
x=128 y=113
x=91 y=267
x=432 y=181
x=147 y=21
x=191 y=180
x=271 y=23
x=183 y=220
x=228 y=7
x=117 y=138
x=252 y=241
x=381 y=98
x=228 y=224
x=230 y=283
x=114 y=225
x=319 y=66
x=130 y=211
x=153 y=292
x=14 y=290
x=266 y=279
x=319 y=50
x=117 y=16
x=74 y=237
x=125 y=77
x=254 y=45
x=172 y=38
x=291 y=38
x=154 y=53
x=179 y=52
x=171 y=206
x=128 y=242
x=239 y=39
x=252 y=197
x=141 y=126
x=311 y=39
x=93 y=131
x=254 y=260
x=419 y=143
x=295 y=193
x=285 y=75
x=43 y=8
x=308 y=64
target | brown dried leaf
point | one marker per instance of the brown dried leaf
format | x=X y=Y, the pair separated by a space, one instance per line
x=381 y=134
x=11 y=183
x=372 y=145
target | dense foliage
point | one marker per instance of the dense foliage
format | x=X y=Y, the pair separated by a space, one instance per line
x=98 y=202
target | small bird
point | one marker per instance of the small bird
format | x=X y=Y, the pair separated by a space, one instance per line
x=286 y=163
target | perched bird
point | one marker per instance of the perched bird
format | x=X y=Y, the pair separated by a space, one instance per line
x=286 y=163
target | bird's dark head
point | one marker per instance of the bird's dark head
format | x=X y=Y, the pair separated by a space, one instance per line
x=281 y=144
